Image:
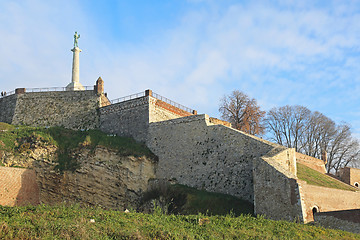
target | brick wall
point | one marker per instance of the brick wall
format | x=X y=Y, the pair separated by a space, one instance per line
x=311 y=162
x=18 y=187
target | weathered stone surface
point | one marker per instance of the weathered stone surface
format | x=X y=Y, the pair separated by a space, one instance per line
x=129 y=118
x=326 y=199
x=200 y=154
x=7 y=108
x=71 y=109
x=276 y=189
x=104 y=178
x=336 y=223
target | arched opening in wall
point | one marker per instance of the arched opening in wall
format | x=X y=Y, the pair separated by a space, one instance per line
x=315 y=209
x=356 y=184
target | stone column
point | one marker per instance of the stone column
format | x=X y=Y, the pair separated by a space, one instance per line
x=75 y=80
x=75 y=67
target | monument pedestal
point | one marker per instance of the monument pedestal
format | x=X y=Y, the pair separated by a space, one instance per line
x=75 y=84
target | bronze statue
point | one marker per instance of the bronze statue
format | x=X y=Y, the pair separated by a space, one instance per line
x=76 y=37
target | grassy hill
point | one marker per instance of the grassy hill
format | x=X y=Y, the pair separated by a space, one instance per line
x=316 y=178
x=73 y=222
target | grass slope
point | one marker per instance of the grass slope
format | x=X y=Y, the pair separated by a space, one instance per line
x=17 y=139
x=181 y=199
x=316 y=178
x=73 y=222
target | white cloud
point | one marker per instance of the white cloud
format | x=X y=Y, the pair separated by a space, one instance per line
x=279 y=53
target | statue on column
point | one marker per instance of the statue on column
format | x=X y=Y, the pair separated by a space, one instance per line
x=76 y=37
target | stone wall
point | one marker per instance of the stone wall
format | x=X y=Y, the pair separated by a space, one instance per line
x=161 y=111
x=18 y=187
x=7 y=108
x=326 y=199
x=129 y=118
x=350 y=176
x=276 y=189
x=200 y=154
x=218 y=121
x=347 y=220
x=71 y=109
x=311 y=162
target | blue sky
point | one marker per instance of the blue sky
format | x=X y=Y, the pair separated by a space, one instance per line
x=193 y=52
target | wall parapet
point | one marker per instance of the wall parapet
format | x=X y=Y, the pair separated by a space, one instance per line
x=49 y=89
x=311 y=162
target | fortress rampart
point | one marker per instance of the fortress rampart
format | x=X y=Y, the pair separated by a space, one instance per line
x=200 y=154
x=194 y=150
x=71 y=109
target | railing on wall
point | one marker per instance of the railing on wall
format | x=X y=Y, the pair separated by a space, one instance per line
x=5 y=94
x=126 y=98
x=50 y=89
x=155 y=95
x=164 y=99
x=54 y=89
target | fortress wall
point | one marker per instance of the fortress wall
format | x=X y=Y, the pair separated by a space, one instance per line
x=212 y=157
x=350 y=175
x=71 y=109
x=326 y=199
x=311 y=162
x=18 y=187
x=161 y=111
x=129 y=118
x=7 y=108
x=276 y=190
x=331 y=220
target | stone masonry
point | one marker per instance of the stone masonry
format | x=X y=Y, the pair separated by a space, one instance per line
x=194 y=150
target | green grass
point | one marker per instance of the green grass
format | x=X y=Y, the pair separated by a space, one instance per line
x=181 y=199
x=319 y=179
x=73 y=222
x=17 y=139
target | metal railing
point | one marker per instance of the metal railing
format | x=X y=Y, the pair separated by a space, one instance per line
x=164 y=99
x=54 y=89
x=50 y=89
x=126 y=98
x=5 y=94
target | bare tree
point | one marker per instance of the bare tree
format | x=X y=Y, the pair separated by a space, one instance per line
x=317 y=135
x=287 y=125
x=343 y=149
x=312 y=133
x=242 y=112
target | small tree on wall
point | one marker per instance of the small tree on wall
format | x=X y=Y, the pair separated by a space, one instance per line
x=242 y=112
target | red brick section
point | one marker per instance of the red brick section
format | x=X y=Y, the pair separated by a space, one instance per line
x=18 y=187
x=99 y=87
x=20 y=90
x=348 y=215
x=172 y=108
x=311 y=162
